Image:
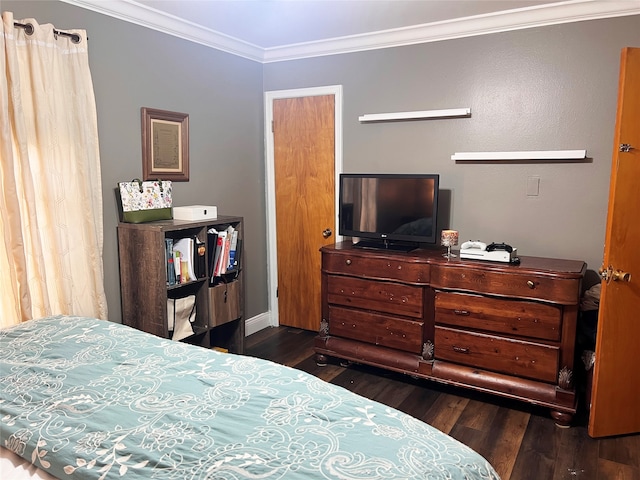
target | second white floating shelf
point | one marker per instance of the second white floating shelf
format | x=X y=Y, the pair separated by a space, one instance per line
x=422 y=114
x=522 y=155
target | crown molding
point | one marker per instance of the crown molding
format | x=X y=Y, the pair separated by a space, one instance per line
x=508 y=20
x=162 y=22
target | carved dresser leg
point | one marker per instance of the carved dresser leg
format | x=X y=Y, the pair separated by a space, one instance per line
x=563 y=420
x=321 y=360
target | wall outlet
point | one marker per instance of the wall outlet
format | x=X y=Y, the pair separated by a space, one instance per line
x=533 y=186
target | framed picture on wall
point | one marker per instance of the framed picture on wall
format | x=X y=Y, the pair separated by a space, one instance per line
x=165 y=145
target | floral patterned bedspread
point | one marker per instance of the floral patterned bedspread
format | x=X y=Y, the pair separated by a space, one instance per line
x=86 y=398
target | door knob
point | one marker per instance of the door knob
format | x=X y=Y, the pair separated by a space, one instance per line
x=326 y=233
x=619 y=275
x=609 y=274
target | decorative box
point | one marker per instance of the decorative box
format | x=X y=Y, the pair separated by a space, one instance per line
x=195 y=212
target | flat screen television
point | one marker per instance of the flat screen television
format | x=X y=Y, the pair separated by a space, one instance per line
x=392 y=211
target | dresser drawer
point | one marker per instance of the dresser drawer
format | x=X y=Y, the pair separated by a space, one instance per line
x=371 y=266
x=511 y=317
x=564 y=291
x=376 y=328
x=387 y=297
x=504 y=355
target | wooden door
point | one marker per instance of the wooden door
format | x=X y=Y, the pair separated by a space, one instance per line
x=304 y=171
x=615 y=407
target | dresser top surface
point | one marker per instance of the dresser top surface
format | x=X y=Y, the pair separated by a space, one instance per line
x=434 y=256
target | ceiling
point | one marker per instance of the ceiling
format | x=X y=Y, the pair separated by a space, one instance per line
x=275 y=23
x=276 y=30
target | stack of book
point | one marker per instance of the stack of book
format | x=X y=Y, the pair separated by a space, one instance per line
x=185 y=260
x=225 y=246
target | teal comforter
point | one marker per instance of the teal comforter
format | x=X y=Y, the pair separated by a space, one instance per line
x=86 y=398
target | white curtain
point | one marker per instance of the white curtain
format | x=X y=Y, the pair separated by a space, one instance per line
x=51 y=200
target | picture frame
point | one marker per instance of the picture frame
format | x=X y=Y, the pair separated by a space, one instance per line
x=165 y=145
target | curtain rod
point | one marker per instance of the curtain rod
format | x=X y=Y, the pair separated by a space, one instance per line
x=28 y=29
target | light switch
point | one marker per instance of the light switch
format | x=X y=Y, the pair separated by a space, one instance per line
x=533 y=186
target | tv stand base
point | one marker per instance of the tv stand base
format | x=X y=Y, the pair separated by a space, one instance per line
x=387 y=245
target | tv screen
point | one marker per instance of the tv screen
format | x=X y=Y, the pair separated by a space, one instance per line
x=396 y=211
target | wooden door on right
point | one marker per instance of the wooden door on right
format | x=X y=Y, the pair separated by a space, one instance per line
x=615 y=405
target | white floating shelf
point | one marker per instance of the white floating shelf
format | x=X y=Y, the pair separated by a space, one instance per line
x=424 y=114
x=522 y=155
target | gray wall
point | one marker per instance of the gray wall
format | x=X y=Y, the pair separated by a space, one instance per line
x=550 y=88
x=134 y=67
x=547 y=88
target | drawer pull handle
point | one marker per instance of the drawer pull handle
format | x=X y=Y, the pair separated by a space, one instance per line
x=461 y=312
x=460 y=349
x=531 y=284
x=348 y=261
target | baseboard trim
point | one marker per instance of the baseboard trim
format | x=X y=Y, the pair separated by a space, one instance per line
x=257 y=323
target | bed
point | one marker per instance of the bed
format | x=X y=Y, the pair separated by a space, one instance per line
x=87 y=398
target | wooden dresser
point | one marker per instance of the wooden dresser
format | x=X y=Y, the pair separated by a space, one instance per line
x=505 y=329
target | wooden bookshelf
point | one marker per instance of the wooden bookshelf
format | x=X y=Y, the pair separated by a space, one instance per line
x=144 y=288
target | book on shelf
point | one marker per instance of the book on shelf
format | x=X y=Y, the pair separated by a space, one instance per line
x=235 y=266
x=232 y=250
x=168 y=255
x=224 y=262
x=218 y=255
x=199 y=254
x=212 y=245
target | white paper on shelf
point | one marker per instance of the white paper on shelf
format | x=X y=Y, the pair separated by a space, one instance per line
x=185 y=247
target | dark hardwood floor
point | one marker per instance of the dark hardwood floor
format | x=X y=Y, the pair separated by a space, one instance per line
x=520 y=440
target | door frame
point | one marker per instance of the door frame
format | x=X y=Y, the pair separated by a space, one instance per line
x=272 y=252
